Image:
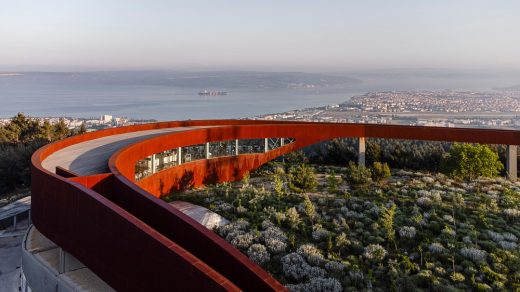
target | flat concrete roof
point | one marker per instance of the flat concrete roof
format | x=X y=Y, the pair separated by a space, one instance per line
x=200 y=214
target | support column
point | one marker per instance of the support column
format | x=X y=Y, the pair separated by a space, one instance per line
x=154 y=164
x=266 y=144
x=282 y=142
x=179 y=156
x=511 y=161
x=361 y=151
x=206 y=150
x=236 y=147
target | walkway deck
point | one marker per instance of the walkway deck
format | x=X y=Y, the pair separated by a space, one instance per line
x=91 y=157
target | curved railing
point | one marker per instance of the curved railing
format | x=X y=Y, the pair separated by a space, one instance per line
x=134 y=241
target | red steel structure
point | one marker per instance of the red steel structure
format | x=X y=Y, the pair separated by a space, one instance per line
x=134 y=241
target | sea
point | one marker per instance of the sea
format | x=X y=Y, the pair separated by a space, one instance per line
x=49 y=96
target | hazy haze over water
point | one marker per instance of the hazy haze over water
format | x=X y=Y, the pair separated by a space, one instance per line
x=49 y=94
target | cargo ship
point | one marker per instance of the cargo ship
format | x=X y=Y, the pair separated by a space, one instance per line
x=212 y=93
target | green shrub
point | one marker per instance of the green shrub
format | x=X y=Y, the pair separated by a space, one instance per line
x=332 y=183
x=357 y=174
x=302 y=179
x=380 y=171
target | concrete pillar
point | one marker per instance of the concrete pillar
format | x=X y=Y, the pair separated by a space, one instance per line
x=179 y=156
x=511 y=161
x=282 y=142
x=266 y=144
x=361 y=151
x=154 y=164
x=236 y=147
x=68 y=262
x=206 y=150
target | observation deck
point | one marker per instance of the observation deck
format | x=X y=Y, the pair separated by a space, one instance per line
x=96 y=196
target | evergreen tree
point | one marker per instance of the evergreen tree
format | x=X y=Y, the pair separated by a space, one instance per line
x=60 y=129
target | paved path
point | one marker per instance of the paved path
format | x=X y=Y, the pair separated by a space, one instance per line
x=11 y=258
x=91 y=157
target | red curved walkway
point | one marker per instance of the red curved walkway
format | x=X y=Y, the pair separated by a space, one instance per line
x=135 y=241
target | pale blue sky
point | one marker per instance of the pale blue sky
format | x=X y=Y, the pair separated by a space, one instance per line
x=267 y=34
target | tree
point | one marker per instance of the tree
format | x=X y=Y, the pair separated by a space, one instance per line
x=332 y=183
x=302 y=179
x=278 y=185
x=47 y=131
x=467 y=161
x=82 y=129
x=18 y=140
x=373 y=151
x=310 y=211
x=380 y=171
x=61 y=130
x=387 y=221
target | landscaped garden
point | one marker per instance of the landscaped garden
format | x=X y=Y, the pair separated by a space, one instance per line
x=335 y=228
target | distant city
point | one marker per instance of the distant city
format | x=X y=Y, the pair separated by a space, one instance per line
x=91 y=124
x=445 y=108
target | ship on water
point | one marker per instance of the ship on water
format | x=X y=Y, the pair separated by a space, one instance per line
x=212 y=93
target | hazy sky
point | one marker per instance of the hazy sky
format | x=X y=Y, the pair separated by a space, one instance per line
x=269 y=34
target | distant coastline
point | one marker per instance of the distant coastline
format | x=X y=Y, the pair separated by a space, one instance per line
x=509 y=88
x=10 y=74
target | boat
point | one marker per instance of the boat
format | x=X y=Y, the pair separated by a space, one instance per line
x=212 y=93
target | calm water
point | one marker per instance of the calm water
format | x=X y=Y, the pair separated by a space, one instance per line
x=45 y=97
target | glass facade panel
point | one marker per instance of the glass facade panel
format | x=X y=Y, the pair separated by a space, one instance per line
x=193 y=152
x=169 y=158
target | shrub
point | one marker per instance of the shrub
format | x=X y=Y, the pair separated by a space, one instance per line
x=278 y=185
x=309 y=209
x=375 y=252
x=457 y=277
x=311 y=253
x=407 y=232
x=357 y=174
x=380 y=171
x=258 y=254
x=474 y=254
x=302 y=179
x=296 y=268
x=332 y=183
x=292 y=217
x=317 y=284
